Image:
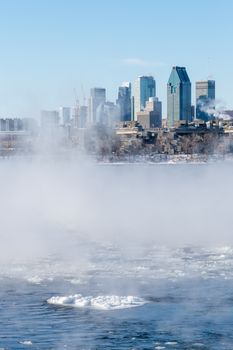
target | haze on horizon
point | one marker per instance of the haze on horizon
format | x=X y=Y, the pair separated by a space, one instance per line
x=50 y=48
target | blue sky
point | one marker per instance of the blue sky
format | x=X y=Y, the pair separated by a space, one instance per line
x=50 y=47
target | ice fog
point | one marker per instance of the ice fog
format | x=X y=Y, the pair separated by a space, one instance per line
x=53 y=207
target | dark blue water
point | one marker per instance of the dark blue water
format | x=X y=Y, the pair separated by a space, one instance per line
x=188 y=295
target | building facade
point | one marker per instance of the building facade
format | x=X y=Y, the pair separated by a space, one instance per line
x=124 y=102
x=83 y=111
x=178 y=97
x=205 y=99
x=65 y=115
x=10 y=124
x=151 y=117
x=107 y=114
x=97 y=97
x=79 y=117
x=145 y=87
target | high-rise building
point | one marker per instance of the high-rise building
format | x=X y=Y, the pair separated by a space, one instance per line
x=65 y=115
x=124 y=102
x=205 y=99
x=83 y=116
x=178 y=97
x=132 y=108
x=145 y=88
x=97 y=97
x=79 y=116
x=151 y=117
x=107 y=113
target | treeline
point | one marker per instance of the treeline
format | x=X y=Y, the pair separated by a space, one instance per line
x=105 y=142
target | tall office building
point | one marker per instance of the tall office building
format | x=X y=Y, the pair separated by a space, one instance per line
x=107 y=114
x=145 y=88
x=205 y=99
x=97 y=97
x=83 y=116
x=65 y=115
x=79 y=116
x=178 y=97
x=124 y=102
x=151 y=117
x=132 y=108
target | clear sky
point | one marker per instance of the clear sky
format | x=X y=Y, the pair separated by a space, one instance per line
x=50 y=47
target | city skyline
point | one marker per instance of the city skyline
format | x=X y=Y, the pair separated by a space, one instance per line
x=144 y=90
x=48 y=49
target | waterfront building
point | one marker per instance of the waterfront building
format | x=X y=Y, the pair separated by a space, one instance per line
x=178 y=97
x=97 y=97
x=11 y=124
x=205 y=99
x=124 y=102
x=145 y=87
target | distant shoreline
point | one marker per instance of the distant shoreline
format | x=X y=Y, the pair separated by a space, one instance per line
x=153 y=159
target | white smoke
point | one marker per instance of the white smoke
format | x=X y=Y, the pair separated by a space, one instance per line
x=217 y=109
x=51 y=207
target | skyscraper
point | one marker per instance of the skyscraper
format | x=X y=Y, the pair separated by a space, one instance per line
x=98 y=96
x=145 y=88
x=79 y=116
x=178 y=96
x=205 y=99
x=82 y=116
x=124 y=102
x=65 y=115
x=107 y=113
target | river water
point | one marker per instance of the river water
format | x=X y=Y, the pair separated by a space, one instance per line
x=149 y=267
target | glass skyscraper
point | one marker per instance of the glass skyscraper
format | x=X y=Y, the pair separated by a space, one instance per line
x=98 y=96
x=145 y=88
x=205 y=99
x=178 y=97
x=124 y=102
